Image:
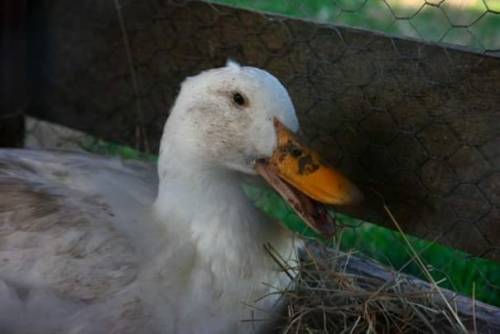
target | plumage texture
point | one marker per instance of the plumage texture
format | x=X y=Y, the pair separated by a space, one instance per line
x=60 y=252
x=86 y=248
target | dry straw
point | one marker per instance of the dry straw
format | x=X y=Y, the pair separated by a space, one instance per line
x=337 y=292
x=331 y=296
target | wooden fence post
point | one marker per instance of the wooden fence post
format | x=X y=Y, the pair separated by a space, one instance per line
x=13 y=89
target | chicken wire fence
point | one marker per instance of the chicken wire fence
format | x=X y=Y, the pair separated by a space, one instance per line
x=472 y=24
x=417 y=125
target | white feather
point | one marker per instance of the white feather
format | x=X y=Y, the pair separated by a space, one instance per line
x=232 y=64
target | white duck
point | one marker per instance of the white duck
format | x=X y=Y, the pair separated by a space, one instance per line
x=85 y=247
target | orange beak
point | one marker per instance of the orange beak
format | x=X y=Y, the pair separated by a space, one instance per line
x=303 y=169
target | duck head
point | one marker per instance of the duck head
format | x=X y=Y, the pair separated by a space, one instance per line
x=242 y=119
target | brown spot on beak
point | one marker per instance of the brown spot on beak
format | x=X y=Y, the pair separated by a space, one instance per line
x=305 y=161
x=307 y=165
x=303 y=169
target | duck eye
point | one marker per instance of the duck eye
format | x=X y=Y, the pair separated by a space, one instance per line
x=238 y=99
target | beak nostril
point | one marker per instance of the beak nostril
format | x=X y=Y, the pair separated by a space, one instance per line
x=293 y=149
x=296 y=152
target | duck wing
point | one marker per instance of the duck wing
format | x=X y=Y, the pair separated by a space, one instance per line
x=67 y=250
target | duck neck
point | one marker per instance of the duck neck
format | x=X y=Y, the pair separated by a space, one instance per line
x=209 y=203
x=194 y=186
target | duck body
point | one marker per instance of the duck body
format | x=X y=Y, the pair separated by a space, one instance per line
x=60 y=251
x=81 y=252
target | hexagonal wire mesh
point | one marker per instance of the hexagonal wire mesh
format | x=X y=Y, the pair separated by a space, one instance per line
x=468 y=23
x=413 y=122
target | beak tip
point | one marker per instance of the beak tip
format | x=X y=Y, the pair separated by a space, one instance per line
x=343 y=193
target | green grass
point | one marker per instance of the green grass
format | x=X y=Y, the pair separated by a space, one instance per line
x=459 y=270
x=471 y=26
x=98 y=146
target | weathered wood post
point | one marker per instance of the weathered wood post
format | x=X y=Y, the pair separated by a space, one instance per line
x=13 y=89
